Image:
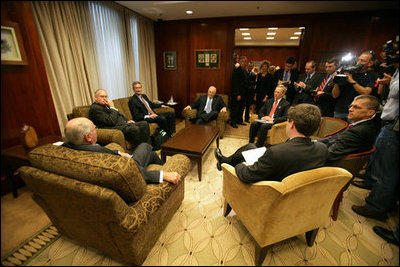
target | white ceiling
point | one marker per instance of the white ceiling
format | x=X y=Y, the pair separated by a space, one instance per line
x=176 y=10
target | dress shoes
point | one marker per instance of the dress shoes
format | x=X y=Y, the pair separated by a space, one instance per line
x=219 y=157
x=234 y=125
x=361 y=184
x=385 y=234
x=361 y=210
x=242 y=123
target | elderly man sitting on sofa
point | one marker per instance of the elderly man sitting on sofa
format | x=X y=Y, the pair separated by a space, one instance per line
x=80 y=134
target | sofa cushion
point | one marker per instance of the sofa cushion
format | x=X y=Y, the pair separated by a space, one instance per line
x=117 y=173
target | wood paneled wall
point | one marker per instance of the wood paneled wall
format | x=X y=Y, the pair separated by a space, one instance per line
x=348 y=31
x=25 y=91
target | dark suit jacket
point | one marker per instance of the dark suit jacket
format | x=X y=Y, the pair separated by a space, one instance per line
x=326 y=102
x=104 y=117
x=295 y=155
x=149 y=176
x=303 y=95
x=356 y=139
x=216 y=105
x=294 y=76
x=280 y=114
x=138 y=109
x=239 y=82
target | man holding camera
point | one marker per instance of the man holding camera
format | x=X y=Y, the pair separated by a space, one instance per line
x=356 y=83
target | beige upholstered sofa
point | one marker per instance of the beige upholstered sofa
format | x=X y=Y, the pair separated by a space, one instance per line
x=106 y=136
x=102 y=200
x=220 y=122
x=274 y=211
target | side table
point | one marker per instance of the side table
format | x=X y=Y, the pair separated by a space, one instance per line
x=14 y=157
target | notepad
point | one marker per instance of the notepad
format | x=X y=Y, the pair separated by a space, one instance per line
x=252 y=155
x=263 y=121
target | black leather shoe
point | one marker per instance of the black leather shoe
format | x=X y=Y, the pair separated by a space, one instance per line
x=361 y=184
x=361 y=210
x=234 y=125
x=385 y=234
x=242 y=123
x=218 y=156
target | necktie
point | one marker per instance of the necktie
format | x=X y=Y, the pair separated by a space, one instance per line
x=321 y=87
x=308 y=77
x=350 y=125
x=285 y=74
x=208 y=106
x=273 y=108
x=146 y=105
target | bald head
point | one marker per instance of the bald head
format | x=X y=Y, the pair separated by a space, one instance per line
x=80 y=131
x=212 y=90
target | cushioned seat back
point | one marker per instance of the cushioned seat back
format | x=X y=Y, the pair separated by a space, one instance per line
x=117 y=173
x=122 y=105
x=331 y=126
x=223 y=96
x=82 y=111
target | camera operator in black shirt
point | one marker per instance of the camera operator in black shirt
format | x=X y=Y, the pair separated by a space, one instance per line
x=356 y=82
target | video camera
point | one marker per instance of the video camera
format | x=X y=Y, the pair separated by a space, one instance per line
x=349 y=65
x=387 y=66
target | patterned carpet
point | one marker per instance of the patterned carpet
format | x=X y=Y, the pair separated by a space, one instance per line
x=198 y=234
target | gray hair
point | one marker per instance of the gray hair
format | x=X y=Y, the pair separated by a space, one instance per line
x=281 y=86
x=76 y=129
x=97 y=91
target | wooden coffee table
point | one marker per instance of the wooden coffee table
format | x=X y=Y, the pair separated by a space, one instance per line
x=192 y=141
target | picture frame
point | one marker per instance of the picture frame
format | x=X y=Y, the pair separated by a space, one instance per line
x=12 y=47
x=169 y=60
x=207 y=58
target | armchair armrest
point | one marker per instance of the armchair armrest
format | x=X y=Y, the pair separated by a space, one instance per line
x=164 y=109
x=189 y=113
x=278 y=133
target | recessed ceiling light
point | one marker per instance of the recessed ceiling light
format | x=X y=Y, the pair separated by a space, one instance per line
x=247 y=38
x=272 y=29
x=245 y=33
x=297 y=33
x=270 y=38
x=294 y=37
x=271 y=33
x=244 y=29
x=189 y=12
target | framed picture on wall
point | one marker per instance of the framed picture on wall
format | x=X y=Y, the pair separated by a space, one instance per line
x=207 y=58
x=170 y=60
x=12 y=47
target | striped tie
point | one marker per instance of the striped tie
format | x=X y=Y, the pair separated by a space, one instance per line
x=146 y=104
x=273 y=109
x=321 y=87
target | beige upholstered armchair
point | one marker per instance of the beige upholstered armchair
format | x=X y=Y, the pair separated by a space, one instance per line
x=274 y=211
x=220 y=122
x=102 y=200
x=106 y=136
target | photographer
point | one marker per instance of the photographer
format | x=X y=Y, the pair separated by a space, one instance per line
x=357 y=82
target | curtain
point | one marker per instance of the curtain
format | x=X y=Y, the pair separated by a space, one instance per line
x=147 y=58
x=65 y=41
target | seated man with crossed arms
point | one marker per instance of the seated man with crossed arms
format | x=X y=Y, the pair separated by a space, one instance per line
x=208 y=107
x=81 y=134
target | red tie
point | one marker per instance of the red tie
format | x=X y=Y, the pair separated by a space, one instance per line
x=350 y=125
x=273 y=108
x=321 y=87
x=146 y=105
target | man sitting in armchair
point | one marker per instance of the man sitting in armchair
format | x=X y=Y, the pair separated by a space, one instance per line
x=80 y=134
x=208 y=107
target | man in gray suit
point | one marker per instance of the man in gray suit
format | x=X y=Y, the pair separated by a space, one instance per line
x=297 y=154
x=80 y=134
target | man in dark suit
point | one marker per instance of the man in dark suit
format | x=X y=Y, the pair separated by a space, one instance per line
x=361 y=133
x=298 y=154
x=208 y=107
x=273 y=111
x=80 y=134
x=287 y=76
x=306 y=84
x=142 y=109
x=322 y=95
x=239 y=87
x=105 y=115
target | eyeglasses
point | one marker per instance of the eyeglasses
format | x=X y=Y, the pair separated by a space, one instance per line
x=358 y=107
